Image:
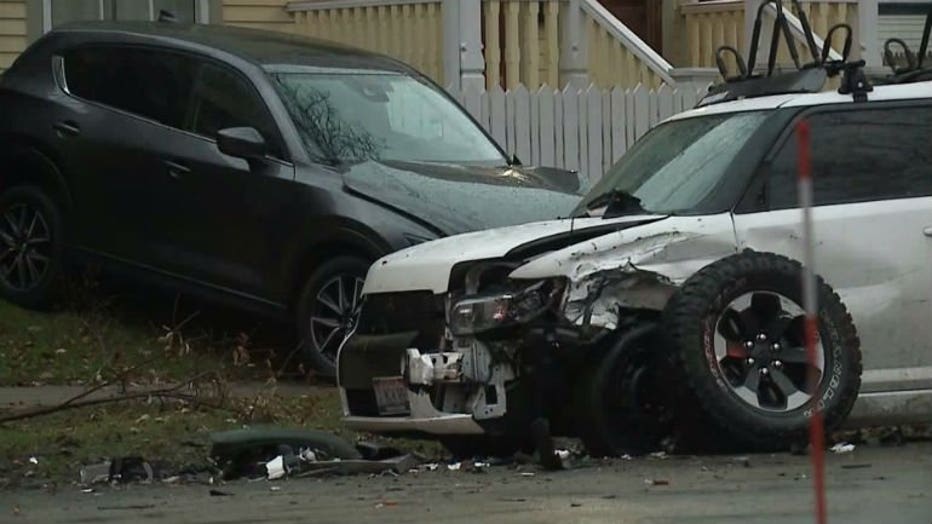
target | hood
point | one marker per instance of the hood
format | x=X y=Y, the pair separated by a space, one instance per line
x=454 y=199
x=427 y=266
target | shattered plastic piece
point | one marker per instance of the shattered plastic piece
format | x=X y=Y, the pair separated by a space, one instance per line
x=842 y=447
x=856 y=466
x=528 y=474
x=455 y=466
x=659 y=455
x=275 y=488
x=33 y=460
x=218 y=493
x=431 y=466
x=276 y=468
x=96 y=473
x=656 y=482
x=87 y=490
x=627 y=457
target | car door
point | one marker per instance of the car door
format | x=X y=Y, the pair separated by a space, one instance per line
x=223 y=223
x=125 y=107
x=872 y=178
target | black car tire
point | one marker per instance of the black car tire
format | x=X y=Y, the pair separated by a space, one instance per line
x=315 y=316
x=705 y=306
x=618 y=397
x=31 y=247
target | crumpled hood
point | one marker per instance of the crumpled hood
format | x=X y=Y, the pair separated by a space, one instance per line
x=456 y=199
x=427 y=266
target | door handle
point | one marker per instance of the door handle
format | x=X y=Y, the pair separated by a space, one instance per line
x=176 y=170
x=927 y=231
x=67 y=128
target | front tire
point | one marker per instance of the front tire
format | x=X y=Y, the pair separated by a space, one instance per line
x=31 y=247
x=735 y=336
x=618 y=397
x=327 y=309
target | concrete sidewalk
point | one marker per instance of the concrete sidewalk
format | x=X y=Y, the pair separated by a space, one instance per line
x=15 y=398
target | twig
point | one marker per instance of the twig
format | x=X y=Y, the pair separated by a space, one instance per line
x=74 y=403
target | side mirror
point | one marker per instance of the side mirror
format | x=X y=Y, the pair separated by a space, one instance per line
x=241 y=142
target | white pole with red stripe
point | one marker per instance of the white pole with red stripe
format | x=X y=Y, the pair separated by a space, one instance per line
x=811 y=304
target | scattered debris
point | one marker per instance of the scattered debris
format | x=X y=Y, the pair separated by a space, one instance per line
x=528 y=474
x=218 y=493
x=842 y=447
x=275 y=488
x=506 y=499
x=627 y=457
x=386 y=504
x=33 y=460
x=656 y=482
x=662 y=455
x=575 y=505
x=276 y=468
x=432 y=466
x=455 y=466
x=856 y=466
x=129 y=506
x=87 y=490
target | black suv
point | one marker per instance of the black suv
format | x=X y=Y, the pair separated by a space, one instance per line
x=262 y=168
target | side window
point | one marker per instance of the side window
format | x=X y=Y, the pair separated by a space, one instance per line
x=223 y=99
x=150 y=83
x=858 y=156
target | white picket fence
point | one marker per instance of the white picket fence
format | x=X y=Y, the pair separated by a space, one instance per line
x=583 y=130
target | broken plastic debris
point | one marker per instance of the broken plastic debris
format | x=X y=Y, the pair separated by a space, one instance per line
x=87 y=490
x=842 y=447
x=455 y=467
x=659 y=454
x=627 y=457
x=656 y=482
x=528 y=474
x=275 y=488
x=307 y=455
x=431 y=466
x=96 y=473
x=33 y=460
x=276 y=468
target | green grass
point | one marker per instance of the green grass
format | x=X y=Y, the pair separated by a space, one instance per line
x=77 y=347
x=99 y=333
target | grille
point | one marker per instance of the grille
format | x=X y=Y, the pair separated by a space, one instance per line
x=388 y=324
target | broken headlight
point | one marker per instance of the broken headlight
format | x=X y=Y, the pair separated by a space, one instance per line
x=476 y=314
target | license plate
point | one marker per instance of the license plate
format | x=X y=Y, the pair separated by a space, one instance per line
x=391 y=395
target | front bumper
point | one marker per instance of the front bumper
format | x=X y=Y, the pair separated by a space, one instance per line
x=448 y=393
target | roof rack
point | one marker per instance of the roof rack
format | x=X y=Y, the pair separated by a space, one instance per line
x=808 y=77
x=915 y=69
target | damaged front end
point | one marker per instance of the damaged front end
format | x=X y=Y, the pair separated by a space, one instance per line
x=502 y=351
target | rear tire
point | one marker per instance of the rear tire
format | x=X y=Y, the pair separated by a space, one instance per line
x=327 y=309
x=31 y=247
x=734 y=331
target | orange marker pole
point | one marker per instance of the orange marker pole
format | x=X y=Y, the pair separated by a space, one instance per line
x=810 y=299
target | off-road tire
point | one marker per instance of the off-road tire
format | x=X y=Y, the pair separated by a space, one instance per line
x=618 y=397
x=43 y=294
x=689 y=321
x=350 y=266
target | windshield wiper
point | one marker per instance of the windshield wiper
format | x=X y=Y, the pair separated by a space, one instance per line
x=617 y=202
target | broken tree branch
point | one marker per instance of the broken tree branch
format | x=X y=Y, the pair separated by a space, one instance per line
x=73 y=403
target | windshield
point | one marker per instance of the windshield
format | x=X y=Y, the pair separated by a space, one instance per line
x=357 y=116
x=676 y=168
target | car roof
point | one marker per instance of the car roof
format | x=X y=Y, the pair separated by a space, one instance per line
x=261 y=47
x=908 y=91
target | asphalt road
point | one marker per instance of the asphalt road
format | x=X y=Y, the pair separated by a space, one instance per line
x=886 y=485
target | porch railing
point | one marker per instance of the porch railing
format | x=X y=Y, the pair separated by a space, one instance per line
x=712 y=24
x=410 y=30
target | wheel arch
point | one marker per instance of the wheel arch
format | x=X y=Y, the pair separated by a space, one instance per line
x=358 y=241
x=29 y=162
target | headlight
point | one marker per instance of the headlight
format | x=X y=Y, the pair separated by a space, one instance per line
x=482 y=313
